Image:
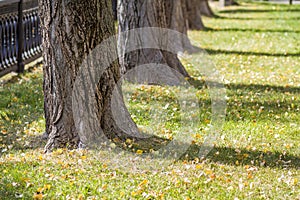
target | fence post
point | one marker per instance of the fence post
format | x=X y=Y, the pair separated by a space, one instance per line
x=20 y=37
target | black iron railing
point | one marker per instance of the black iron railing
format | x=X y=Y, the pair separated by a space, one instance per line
x=20 y=35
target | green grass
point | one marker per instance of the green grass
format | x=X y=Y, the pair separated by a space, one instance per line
x=256 y=49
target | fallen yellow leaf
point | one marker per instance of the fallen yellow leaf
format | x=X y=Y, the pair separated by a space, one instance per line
x=139 y=152
x=39 y=190
x=80 y=197
x=144 y=182
x=47 y=187
x=38 y=196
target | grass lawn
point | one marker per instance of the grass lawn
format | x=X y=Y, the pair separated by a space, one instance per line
x=256 y=49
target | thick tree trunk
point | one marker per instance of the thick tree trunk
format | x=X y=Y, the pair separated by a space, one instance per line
x=71 y=30
x=144 y=13
x=137 y=14
x=231 y=3
x=115 y=8
x=177 y=19
x=193 y=14
x=205 y=8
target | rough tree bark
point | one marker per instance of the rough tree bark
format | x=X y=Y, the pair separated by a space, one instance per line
x=194 y=16
x=177 y=19
x=115 y=8
x=231 y=3
x=71 y=30
x=205 y=8
x=144 y=13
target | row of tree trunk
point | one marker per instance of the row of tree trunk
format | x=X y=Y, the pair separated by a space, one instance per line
x=72 y=30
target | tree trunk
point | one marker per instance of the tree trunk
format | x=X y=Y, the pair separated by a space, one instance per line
x=71 y=30
x=205 y=8
x=193 y=14
x=144 y=13
x=115 y=9
x=231 y=3
x=177 y=19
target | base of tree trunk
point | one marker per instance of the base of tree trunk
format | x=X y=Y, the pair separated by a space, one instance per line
x=71 y=31
x=193 y=14
x=205 y=9
x=231 y=3
x=143 y=13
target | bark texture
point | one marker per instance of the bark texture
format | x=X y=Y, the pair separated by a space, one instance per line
x=205 y=8
x=231 y=3
x=71 y=30
x=177 y=19
x=115 y=8
x=144 y=13
x=194 y=16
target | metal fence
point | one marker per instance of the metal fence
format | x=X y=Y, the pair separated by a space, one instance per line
x=20 y=35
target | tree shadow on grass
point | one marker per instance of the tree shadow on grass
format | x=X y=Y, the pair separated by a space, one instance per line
x=256 y=18
x=248 y=87
x=241 y=10
x=233 y=52
x=249 y=53
x=261 y=108
x=22 y=144
x=263 y=88
x=251 y=30
x=21 y=105
x=9 y=192
x=230 y=156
